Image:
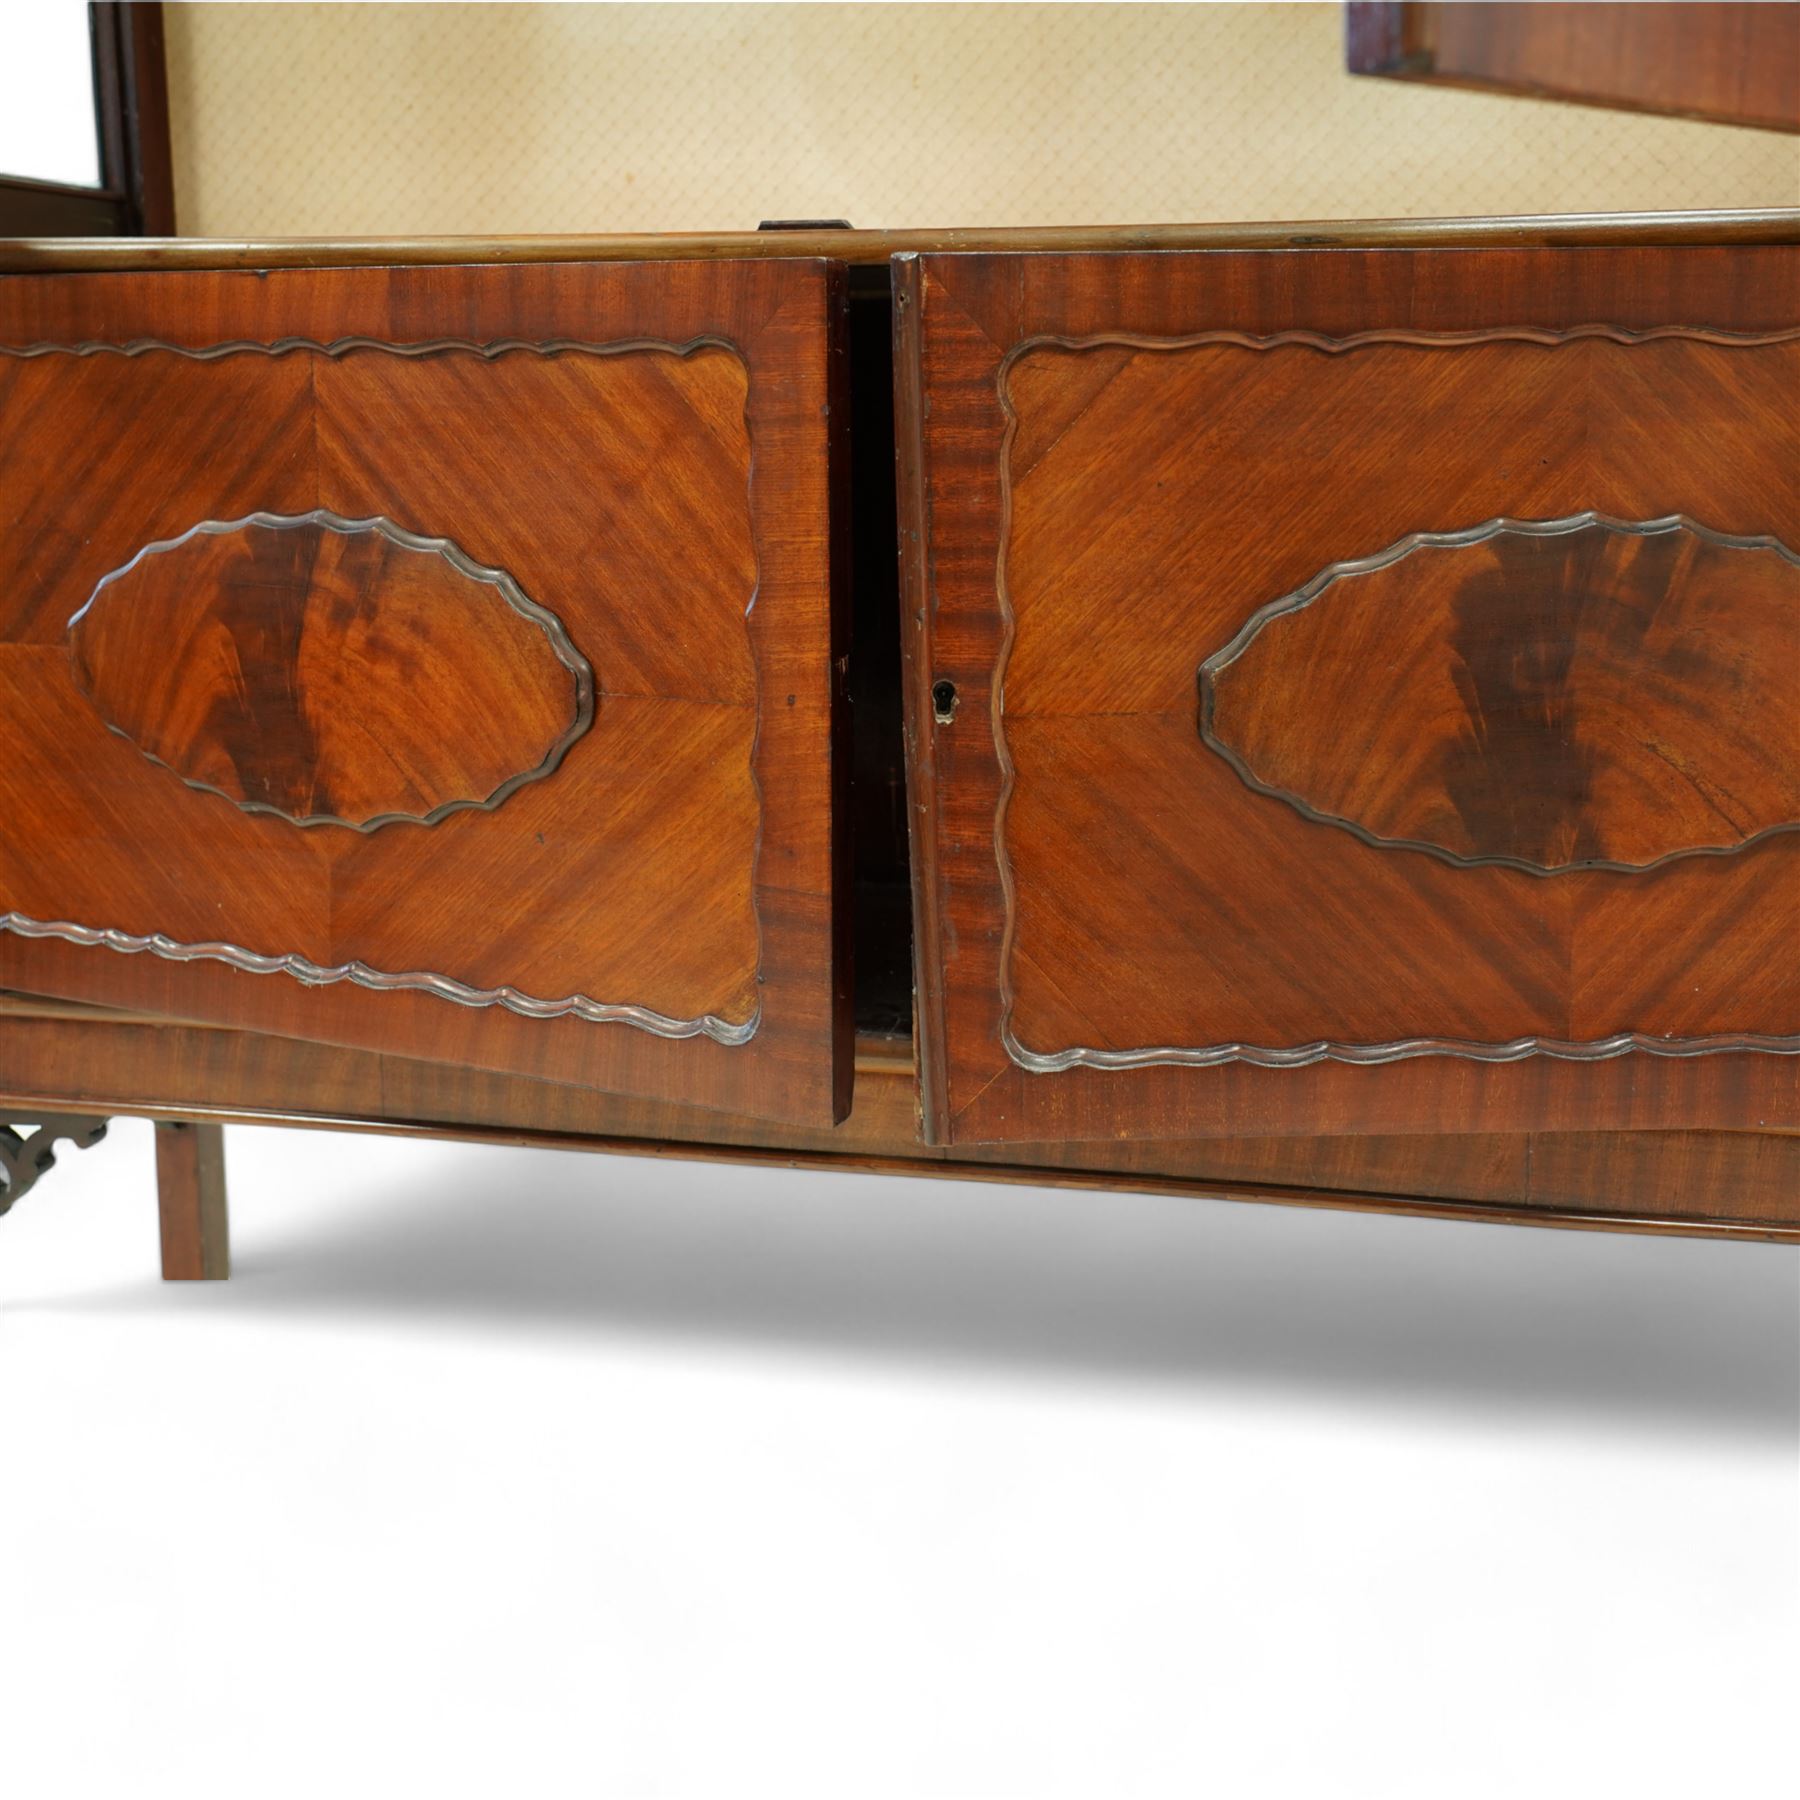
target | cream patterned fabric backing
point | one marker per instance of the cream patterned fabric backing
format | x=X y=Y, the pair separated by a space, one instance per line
x=490 y=119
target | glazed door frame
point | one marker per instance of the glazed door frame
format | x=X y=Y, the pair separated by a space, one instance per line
x=964 y=322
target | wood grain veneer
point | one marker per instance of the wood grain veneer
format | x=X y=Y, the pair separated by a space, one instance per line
x=1737 y=64
x=1640 y=346
x=1544 y=695
x=644 y=455
x=280 y=661
x=1115 y=462
x=1696 y=1183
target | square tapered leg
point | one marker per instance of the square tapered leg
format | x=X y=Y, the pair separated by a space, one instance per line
x=190 y=1189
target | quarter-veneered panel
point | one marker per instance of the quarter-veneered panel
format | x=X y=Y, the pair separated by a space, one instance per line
x=1175 y=500
x=564 y=901
x=1480 y=807
x=455 y=669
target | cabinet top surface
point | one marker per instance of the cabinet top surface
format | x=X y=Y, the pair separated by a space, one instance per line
x=24 y=255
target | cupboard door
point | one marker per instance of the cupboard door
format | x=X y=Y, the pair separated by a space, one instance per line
x=435 y=660
x=1354 y=690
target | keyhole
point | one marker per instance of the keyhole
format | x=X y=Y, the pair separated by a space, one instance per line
x=943 y=701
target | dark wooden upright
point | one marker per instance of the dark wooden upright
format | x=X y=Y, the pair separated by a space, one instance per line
x=190 y=1188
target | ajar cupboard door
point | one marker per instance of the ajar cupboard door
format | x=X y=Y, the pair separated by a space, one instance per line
x=436 y=660
x=1353 y=690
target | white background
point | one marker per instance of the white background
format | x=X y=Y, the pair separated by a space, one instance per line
x=509 y=1472
x=47 y=128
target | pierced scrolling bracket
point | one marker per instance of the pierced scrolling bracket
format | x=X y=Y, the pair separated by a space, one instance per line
x=26 y=1159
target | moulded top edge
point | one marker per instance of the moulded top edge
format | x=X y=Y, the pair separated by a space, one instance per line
x=51 y=255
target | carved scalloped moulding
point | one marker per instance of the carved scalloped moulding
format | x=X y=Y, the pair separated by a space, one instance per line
x=1572 y=666
x=301 y=968
x=274 y=745
x=1302 y=1055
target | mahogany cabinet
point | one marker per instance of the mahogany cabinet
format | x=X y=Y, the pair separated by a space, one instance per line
x=1316 y=716
x=1355 y=686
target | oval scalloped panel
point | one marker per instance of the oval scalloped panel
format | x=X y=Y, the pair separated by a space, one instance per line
x=331 y=671
x=1550 y=695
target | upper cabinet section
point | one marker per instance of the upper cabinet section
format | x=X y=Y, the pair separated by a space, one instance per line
x=1705 y=59
x=1354 y=687
x=437 y=660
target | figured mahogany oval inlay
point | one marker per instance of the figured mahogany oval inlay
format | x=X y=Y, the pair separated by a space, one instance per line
x=333 y=671
x=1570 y=693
